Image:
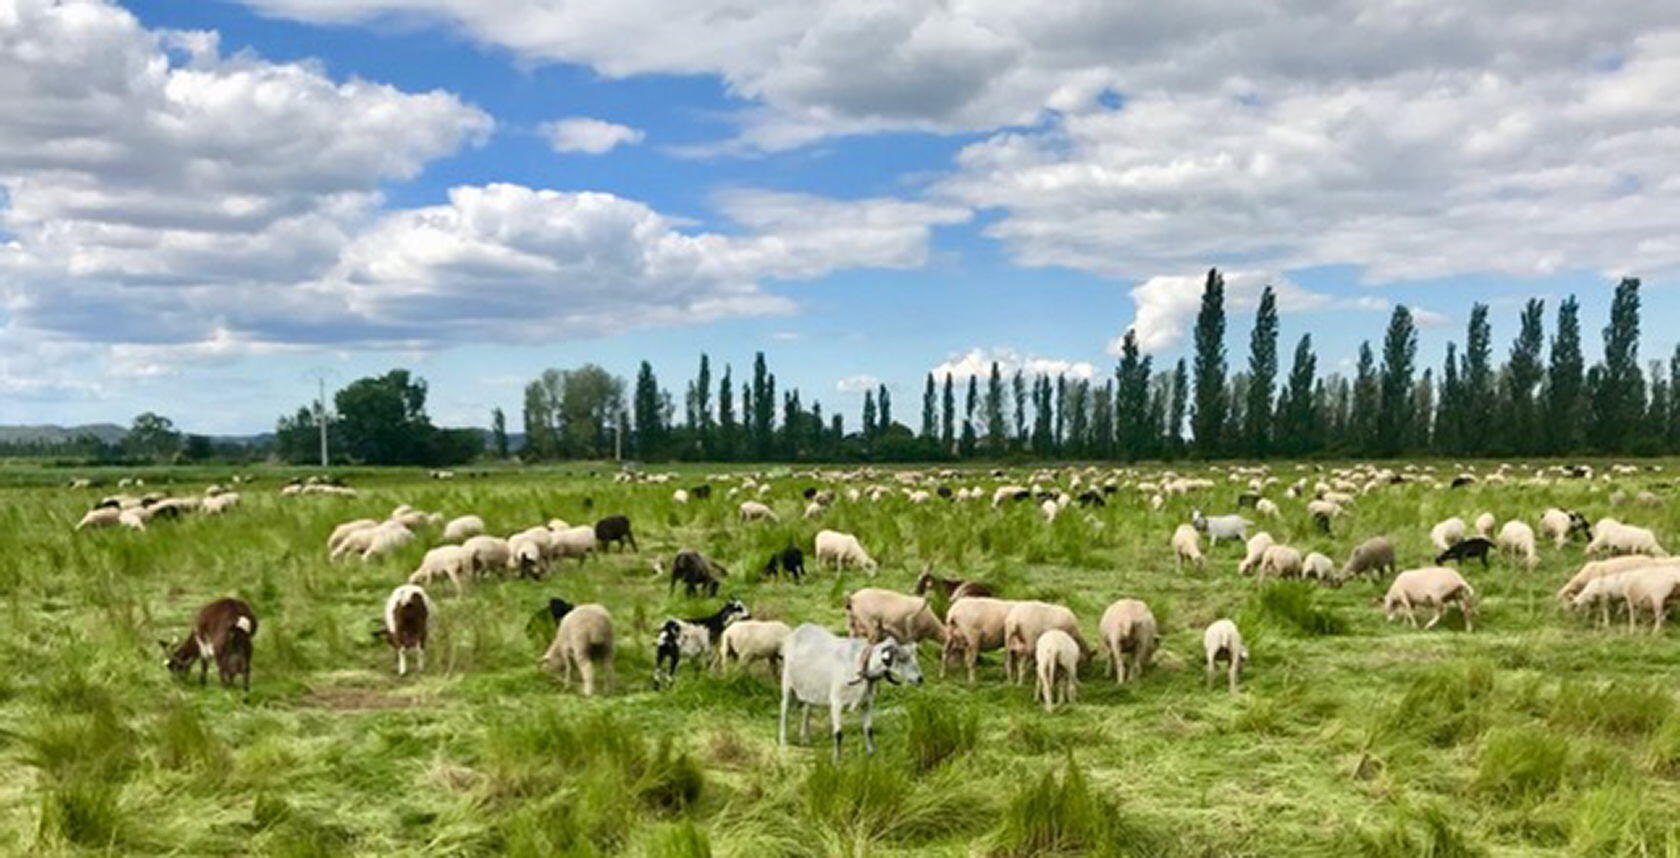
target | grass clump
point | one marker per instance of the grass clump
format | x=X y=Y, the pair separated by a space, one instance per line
x=1521 y=765
x=1416 y=832
x=939 y=730
x=1445 y=705
x=1293 y=607
x=1620 y=709
x=1064 y=816
x=876 y=800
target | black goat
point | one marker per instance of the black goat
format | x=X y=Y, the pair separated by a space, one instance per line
x=1466 y=550
x=1461 y=482
x=789 y=561
x=615 y=528
x=701 y=492
x=696 y=572
x=1248 y=499
x=1090 y=497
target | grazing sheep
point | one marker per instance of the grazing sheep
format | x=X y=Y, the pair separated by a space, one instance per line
x=1257 y=545
x=1602 y=592
x=1561 y=525
x=1319 y=567
x=695 y=571
x=576 y=542
x=410 y=517
x=451 y=561
x=408 y=613
x=747 y=641
x=1057 y=655
x=219 y=503
x=1516 y=540
x=1430 y=587
x=1021 y=628
x=1611 y=536
x=615 y=529
x=343 y=531
x=584 y=639
x=1129 y=634
x=973 y=625
x=1447 y=533
x=221 y=632
x=1187 y=545
x=487 y=554
x=1322 y=512
x=461 y=528
x=873 y=613
x=377 y=542
x=1484 y=525
x=1281 y=561
x=953 y=588
x=1374 y=556
x=1266 y=507
x=528 y=553
x=1219 y=527
x=1474 y=547
x=841 y=550
x=105 y=516
x=1652 y=587
x=755 y=511
x=679 y=496
x=820 y=668
x=789 y=561
x=1604 y=568
x=1222 y=640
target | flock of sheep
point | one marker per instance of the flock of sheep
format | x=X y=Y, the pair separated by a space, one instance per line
x=883 y=627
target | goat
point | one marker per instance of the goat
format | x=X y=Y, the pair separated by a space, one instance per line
x=790 y=560
x=820 y=668
x=615 y=528
x=695 y=571
x=693 y=638
x=953 y=588
x=1475 y=547
x=222 y=632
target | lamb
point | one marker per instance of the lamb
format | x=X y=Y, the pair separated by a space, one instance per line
x=1602 y=592
x=451 y=561
x=1257 y=545
x=1475 y=547
x=1021 y=628
x=1221 y=526
x=1484 y=525
x=1430 y=587
x=1129 y=634
x=1516 y=540
x=528 y=553
x=408 y=613
x=1447 y=533
x=615 y=529
x=874 y=613
x=973 y=625
x=461 y=528
x=842 y=550
x=747 y=641
x=1650 y=587
x=789 y=561
x=1374 y=556
x=820 y=668
x=1223 y=640
x=1058 y=668
x=221 y=632
x=584 y=639
x=695 y=571
x=692 y=638
x=755 y=511
x=1187 y=545
x=953 y=588
x=1282 y=561
x=1616 y=538
x=1319 y=567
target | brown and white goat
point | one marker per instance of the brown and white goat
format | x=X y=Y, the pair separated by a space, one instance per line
x=408 y=611
x=222 y=632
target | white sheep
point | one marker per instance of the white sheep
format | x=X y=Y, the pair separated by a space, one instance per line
x=1448 y=533
x=105 y=516
x=1021 y=628
x=1318 y=566
x=488 y=554
x=1484 y=525
x=528 y=553
x=1603 y=593
x=1282 y=561
x=408 y=612
x=1222 y=640
x=461 y=528
x=1652 y=587
x=973 y=624
x=1266 y=507
x=576 y=542
x=1554 y=525
x=451 y=561
x=1516 y=539
x=841 y=550
x=1257 y=545
x=219 y=503
x=873 y=612
x=1374 y=555
x=343 y=531
x=1057 y=655
x=679 y=496
x=1430 y=587
x=1604 y=568
x=1187 y=545
x=747 y=641
x=1129 y=634
x=1616 y=538
x=584 y=639
x=755 y=511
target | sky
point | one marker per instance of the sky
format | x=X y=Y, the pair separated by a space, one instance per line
x=206 y=205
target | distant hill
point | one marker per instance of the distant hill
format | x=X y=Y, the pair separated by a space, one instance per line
x=109 y=433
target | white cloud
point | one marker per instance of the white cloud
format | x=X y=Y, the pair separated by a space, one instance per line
x=589 y=136
x=1166 y=305
x=978 y=362
x=857 y=384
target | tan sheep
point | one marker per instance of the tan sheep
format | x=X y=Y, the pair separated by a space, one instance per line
x=343 y=531
x=1516 y=540
x=583 y=640
x=747 y=641
x=1281 y=561
x=1430 y=587
x=873 y=612
x=841 y=550
x=1554 y=525
x=1257 y=545
x=1319 y=567
x=1374 y=555
x=1057 y=655
x=1129 y=635
x=576 y=542
x=105 y=516
x=1021 y=628
x=462 y=528
x=488 y=554
x=1484 y=525
x=1448 y=533
x=755 y=511
x=1187 y=545
x=1602 y=568
x=1613 y=537
x=973 y=624
x=1652 y=587
x=450 y=561
x=1223 y=640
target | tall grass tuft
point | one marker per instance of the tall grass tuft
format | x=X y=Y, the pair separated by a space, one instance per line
x=1520 y=765
x=1064 y=816
x=1620 y=709
x=1292 y=607
x=875 y=800
x=1416 y=832
x=1445 y=705
x=939 y=730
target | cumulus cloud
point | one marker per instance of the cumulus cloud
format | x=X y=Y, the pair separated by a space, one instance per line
x=857 y=384
x=978 y=362
x=589 y=136
x=1166 y=305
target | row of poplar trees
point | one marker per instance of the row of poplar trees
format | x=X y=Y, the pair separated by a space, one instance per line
x=1542 y=400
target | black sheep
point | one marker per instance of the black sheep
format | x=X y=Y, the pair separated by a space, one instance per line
x=789 y=560
x=1461 y=482
x=701 y=492
x=615 y=528
x=700 y=634
x=945 y=492
x=1091 y=498
x=1469 y=548
x=695 y=572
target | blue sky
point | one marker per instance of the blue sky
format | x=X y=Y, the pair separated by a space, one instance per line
x=204 y=203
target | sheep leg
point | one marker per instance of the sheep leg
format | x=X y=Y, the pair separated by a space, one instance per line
x=402 y=661
x=1440 y=608
x=805 y=724
x=1235 y=665
x=1210 y=670
x=834 y=719
x=1119 y=666
x=586 y=669
x=420 y=656
x=1071 y=694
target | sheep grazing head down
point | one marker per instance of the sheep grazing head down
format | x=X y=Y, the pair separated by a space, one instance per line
x=890 y=660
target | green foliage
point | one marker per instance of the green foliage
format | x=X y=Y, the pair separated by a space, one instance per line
x=1294 y=608
x=940 y=729
x=1520 y=765
x=1065 y=816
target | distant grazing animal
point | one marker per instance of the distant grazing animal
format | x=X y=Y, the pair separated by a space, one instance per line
x=1462 y=481
x=408 y=613
x=695 y=571
x=1090 y=498
x=1431 y=587
x=1248 y=499
x=222 y=633
x=615 y=529
x=843 y=673
x=1129 y=633
x=747 y=641
x=701 y=492
x=953 y=588
x=1473 y=548
x=755 y=511
x=1221 y=527
x=841 y=550
x=874 y=613
x=789 y=561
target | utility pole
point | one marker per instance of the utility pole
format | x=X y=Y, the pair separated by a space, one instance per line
x=322 y=418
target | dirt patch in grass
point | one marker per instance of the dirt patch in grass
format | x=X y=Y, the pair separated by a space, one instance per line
x=355 y=699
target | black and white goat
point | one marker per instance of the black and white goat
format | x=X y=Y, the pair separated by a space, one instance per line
x=222 y=633
x=692 y=639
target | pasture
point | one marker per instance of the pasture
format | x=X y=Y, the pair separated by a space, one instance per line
x=1537 y=734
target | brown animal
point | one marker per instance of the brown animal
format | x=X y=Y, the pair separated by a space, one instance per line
x=222 y=632
x=408 y=613
x=953 y=588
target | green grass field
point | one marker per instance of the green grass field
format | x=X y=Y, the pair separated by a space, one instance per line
x=1534 y=735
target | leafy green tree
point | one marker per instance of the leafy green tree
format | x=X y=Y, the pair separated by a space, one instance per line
x=1522 y=378
x=1207 y=420
x=1262 y=376
x=383 y=419
x=763 y=408
x=930 y=409
x=947 y=432
x=1366 y=394
x=649 y=425
x=1300 y=419
x=1131 y=406
x=1178 y=409
x=152 y=436
x=1565 y=383
x=1395 y=408
x=498 y=432
x=1620 y=400
x=1477 y=378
